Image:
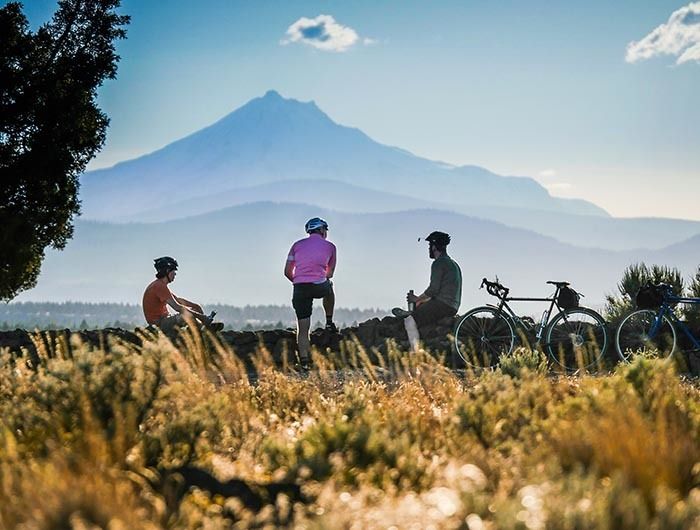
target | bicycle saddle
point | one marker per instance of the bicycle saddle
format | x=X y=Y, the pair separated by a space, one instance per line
x=559 y=284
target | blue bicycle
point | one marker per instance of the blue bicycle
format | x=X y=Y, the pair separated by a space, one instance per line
x=653 y=326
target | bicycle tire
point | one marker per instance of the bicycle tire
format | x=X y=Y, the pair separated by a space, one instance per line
x=632 y=335
x=482 y=335
x=576 y=339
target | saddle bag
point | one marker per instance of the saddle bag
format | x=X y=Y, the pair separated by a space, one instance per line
x=650 y=296
x=567 y=298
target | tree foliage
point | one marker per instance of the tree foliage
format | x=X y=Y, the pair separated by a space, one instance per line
x=50 y=126
x=692 y=312
x=635 y=276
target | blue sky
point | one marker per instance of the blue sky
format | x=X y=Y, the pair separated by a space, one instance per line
x=537 y=88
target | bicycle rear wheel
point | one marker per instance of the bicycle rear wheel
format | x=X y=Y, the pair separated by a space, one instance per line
x=644 y=330
x=482 y=335
x=576 y=338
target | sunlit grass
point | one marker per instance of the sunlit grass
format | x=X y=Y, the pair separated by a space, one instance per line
x=93 y=437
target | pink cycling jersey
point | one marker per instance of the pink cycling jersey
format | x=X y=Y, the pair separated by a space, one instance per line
x=313 y=258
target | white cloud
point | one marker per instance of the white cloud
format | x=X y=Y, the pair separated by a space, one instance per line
x=558 y=186
x=680 y=36
x=323 y=33
x=546 y=178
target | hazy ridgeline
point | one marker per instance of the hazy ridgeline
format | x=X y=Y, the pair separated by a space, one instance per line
x=84 y=315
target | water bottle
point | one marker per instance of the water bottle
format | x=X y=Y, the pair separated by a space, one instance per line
x=411 y=304
x=542 y=324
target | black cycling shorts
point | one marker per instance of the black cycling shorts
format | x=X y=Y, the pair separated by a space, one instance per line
x=304 y=294
x=431 y=311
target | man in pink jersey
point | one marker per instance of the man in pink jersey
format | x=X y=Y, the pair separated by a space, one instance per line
x=310 y=267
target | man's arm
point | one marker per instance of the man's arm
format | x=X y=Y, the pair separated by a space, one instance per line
x=435 y=280
x=330 y=270
x=190 y=305
x=289 y=265
x=418 y=299
x=174 y=302
x=289 y=270
x=434 y=287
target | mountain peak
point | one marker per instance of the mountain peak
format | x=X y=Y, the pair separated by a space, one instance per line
x=273 y=138
x=272 y=94
x=275 y=98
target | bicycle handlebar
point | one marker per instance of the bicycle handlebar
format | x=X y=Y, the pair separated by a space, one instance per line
x=495 y=289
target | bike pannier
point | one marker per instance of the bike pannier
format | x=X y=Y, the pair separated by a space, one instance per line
x=568 y=298
x=650 y=296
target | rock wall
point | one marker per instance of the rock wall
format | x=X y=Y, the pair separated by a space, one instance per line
x=372 y=334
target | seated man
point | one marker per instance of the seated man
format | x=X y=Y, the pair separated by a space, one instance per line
x=442 y=297
x=157 y=297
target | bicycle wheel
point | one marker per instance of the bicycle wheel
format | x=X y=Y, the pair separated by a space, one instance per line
x=482 y=335
x=576 y=338
x=643 y=330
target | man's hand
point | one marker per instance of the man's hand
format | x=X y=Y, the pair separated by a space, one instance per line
x=418 y=300
x=289 y=270
x=195 y=308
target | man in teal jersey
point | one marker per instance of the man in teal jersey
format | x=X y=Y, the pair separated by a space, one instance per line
x=442 y=297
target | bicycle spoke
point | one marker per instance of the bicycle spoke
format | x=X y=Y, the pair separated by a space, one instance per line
x=576 y=339
x=645 y=332
x=482 y=336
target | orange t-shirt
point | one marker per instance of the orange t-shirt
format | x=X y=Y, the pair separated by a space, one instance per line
x=154 y=298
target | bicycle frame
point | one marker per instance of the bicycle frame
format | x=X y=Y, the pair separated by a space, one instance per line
x=667 y=311
x=573 y=337
x=519 y=321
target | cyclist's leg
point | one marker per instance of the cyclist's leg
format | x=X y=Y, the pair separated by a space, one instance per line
x=427 y=313
x=329 y=304
x=302 y=301
x=303 y=339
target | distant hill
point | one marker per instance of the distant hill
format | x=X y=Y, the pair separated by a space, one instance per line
x=274 y=139
x=81 y=315
x=282 y=150
x=236 y=256
x=580 y=230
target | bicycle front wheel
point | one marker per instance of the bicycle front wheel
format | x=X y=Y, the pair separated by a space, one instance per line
x=644 y=330
x=576 y=339
x=482 y=335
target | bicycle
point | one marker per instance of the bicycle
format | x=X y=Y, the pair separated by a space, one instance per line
x=653 y=326
x=576 y=337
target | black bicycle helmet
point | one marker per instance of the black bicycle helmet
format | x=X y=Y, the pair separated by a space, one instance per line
x=164 y=265
x=439 y=239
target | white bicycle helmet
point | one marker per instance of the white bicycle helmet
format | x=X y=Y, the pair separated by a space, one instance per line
x=314 y=224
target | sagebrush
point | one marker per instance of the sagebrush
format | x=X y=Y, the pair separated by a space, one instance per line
x=95 y=438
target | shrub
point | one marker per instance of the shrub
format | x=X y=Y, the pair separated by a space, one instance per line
x=617 y=306
x=692 y=312
x=522 y=361
x=503 y=413
x=95 y=441
x=639 y=424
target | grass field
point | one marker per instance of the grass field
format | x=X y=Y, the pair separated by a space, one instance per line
x=166 y=437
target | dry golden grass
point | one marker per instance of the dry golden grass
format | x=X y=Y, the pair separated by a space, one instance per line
x=90 y=440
